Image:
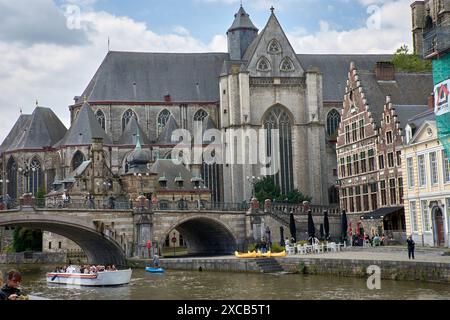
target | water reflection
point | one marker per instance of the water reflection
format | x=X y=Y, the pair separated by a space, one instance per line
x=181 y=285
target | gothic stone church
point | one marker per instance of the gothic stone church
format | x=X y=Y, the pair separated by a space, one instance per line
x=124 y=120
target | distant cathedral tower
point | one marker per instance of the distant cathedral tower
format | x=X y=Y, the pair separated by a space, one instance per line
x=240 y=35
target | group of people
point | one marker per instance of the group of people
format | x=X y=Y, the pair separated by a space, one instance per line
x=85 y=269
x=11 y=291
x=263 y=246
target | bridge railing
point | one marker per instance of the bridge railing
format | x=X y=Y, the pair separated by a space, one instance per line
x=287 y=208
x=82 y=204
x=185 y=205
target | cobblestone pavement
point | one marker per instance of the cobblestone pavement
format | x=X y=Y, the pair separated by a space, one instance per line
x=394 y=254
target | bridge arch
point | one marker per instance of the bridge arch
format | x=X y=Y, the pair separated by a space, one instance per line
x=98 y=247
x=204 y=235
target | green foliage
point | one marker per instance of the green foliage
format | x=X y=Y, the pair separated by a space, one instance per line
x=27 y=240
x=40 y=197
x=276 y=248
x=405 y=61
x=252 y=247
x=8 y=249
x=267 y=189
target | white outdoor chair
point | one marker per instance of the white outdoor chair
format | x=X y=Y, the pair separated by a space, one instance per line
x=301 y=249
x=332 y=247
x=290 y=250
x=308 y=248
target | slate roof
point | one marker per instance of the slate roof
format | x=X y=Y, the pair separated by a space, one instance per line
x=165 y=138
x=149 y=77
x=242 y=21
x=408 y=89
x=84 y=129
x=335 y=69
x=406 y=112
x=128 y=137
x=166 y=170
x=36 y=131
x=421 y=118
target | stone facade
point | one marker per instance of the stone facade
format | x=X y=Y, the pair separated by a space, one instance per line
x=427 y=187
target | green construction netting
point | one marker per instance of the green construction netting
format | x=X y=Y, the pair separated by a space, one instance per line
x=443 y=126
x=441 y=72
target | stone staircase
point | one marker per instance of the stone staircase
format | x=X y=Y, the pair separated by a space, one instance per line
x=269 y=265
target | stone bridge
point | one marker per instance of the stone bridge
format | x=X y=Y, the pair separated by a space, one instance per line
x=110 y=236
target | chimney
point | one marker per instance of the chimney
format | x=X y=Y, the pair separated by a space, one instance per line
x=431 y=102
x=385 y=71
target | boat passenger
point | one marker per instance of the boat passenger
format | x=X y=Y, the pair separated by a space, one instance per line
x=11 y=291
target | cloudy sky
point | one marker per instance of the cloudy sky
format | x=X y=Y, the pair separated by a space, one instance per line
x=50 y=49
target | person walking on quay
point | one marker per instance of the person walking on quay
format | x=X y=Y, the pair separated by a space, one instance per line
x=411 y=246
x=11 y=291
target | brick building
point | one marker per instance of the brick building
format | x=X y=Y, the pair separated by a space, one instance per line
x=376 y=106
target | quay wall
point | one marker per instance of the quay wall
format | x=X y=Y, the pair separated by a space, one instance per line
x=390 y=270
x=33 y=258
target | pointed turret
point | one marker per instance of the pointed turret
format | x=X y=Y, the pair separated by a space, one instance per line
x=84 y=129
x=240 y=35
x=165 y=138
x=128 y=137
x=139 y=158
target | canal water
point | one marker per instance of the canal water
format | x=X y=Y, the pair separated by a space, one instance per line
x=193 y=285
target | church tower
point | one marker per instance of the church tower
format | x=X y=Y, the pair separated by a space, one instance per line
x=240 y=35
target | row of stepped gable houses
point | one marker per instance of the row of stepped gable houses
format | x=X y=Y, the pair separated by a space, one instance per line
x=344 y=120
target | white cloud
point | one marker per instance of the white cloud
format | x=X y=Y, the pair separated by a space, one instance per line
x=55 y=72
x=392 y=31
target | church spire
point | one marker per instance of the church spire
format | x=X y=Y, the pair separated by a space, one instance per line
x=241 y=34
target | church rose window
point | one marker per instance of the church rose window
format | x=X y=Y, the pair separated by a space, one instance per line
x=274 y=47
x=287 y=65
x=278 y=118
x=163 y=118
x=263 y=64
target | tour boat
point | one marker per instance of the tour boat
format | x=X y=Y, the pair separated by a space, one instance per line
x=105 y=278
x=154 y=270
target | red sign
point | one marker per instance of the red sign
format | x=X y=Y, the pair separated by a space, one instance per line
x=174 y=239
x=149 y=244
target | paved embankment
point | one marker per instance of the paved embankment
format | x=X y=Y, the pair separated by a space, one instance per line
x=429 y=265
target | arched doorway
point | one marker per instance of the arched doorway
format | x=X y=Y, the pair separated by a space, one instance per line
x=438 y=223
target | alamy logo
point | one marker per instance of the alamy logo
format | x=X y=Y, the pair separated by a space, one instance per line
x=442 y=98
x=235 y=146
x=374 y=280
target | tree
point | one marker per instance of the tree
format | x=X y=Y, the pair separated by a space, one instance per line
x=267 y=189
x=405 y=61
x=27 y=240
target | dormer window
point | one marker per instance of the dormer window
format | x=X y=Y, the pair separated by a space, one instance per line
x=263 y=65
x=274 y=47
x=287 y=65
x=163 y=181
x=179 y=181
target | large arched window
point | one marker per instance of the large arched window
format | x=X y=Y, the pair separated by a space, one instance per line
x=333 y=121
x=11 y=182
x=77 y=160
x=127 y=117
x=278 y=118
x=101 y=118
x=199 y=119
x=163 y=118
x=36 y=177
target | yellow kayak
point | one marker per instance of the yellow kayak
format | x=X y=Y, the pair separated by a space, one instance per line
x=245 y=255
